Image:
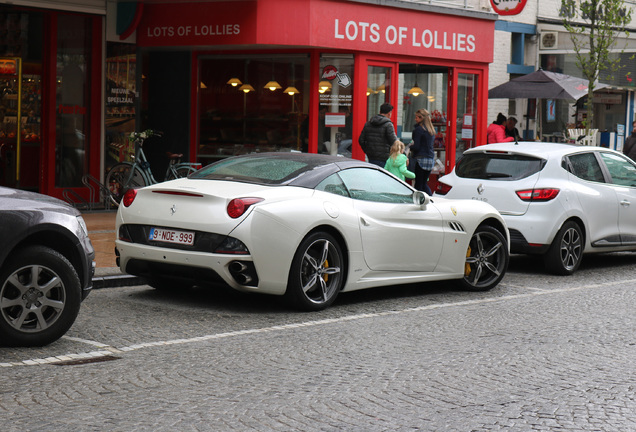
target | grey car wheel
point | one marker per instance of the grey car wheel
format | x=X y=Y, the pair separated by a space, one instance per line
x=487 y=259
x=566 y=252
x=316 y=274
x=40 y=297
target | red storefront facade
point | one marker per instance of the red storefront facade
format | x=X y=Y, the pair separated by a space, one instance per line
x=309 y=74
x=50 y=104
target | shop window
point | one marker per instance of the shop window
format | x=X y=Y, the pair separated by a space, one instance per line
x=335 y=105
x=121 y=63
x=252 y=104
x=20 y=60
x=73 y=100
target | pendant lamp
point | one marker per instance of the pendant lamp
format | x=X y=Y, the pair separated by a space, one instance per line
x=415 y=90
x=273 y=84
x=291 y=90
x=234 y=82
x=323 y=86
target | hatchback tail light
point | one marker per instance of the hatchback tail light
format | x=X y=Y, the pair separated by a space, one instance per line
x=538 y=195
x=442 y=188
x=238 y=206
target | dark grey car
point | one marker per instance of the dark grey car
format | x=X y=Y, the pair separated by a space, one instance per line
x=46 y=267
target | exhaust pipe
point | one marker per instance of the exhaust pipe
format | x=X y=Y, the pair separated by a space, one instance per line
x=240 y=272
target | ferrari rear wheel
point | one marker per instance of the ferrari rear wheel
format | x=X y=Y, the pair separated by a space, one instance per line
x=486 y=259
x=316 y=274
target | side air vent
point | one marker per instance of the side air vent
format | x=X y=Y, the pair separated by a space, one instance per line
x=456 y=226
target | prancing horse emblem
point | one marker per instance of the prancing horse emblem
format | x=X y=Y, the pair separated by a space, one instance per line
x=173 y=209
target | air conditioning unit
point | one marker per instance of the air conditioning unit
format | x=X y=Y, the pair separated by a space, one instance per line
x=549 y=40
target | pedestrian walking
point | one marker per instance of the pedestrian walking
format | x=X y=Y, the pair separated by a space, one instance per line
x=396 y=163
x=629 y=149
x=497 y=131
x=378 y=135
x=422 y=149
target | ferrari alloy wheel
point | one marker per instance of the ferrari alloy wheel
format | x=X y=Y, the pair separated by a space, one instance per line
x=316 y=274
x=566 y=252
x=40 y=297
x=486 y=259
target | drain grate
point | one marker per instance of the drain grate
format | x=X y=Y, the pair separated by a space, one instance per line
x=87 y=360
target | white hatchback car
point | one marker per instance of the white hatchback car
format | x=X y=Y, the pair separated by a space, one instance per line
x=558 y=200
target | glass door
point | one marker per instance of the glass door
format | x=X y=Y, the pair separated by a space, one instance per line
x=379 y=88
x=10 y=107
x=467 y=90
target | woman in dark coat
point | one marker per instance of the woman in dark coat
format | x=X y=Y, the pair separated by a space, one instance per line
x=422 y=149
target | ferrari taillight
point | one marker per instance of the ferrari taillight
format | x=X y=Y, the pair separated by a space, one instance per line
x=129 y=197
x=238 y=206
x=535 y=195
x=442 y=188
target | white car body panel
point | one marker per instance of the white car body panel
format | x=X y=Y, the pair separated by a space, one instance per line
x=596 y=205
x=384 y=243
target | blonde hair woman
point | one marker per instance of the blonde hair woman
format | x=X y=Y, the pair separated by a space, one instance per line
x=422 y=149
x=396 y=163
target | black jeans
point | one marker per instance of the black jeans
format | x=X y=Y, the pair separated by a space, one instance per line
x=421 y=179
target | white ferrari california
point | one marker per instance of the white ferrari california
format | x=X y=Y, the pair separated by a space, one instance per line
x=305 y=226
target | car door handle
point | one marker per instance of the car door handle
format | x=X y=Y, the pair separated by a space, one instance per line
x=625 y=203
x=364 y=222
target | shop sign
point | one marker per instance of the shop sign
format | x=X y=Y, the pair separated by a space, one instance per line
x=607 y=99
x=508 y=7
x=341 y=25
x=177 y=24
x=398 y=31
x=335 y=120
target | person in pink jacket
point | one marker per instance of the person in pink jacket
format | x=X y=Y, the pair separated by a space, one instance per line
x=497 y=131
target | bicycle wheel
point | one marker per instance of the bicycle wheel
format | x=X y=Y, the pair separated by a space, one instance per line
x=179 y=171
x=121 y=177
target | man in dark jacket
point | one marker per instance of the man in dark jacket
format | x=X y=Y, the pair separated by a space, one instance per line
x=629 y=149
x=378 y=135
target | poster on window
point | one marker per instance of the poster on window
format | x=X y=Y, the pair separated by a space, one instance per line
x=551 y=108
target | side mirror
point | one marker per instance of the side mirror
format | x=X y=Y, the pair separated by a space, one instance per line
x=421 y=199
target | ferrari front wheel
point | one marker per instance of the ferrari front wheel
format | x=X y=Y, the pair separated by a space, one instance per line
x=486 y=259
x=316 y=274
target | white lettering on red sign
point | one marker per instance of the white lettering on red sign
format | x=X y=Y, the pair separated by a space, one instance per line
x=196 y=30
x=363 y=31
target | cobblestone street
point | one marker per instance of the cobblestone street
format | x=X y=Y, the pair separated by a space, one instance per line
x=537 y=353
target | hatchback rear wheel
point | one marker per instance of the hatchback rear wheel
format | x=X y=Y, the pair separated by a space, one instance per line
x=566 y=252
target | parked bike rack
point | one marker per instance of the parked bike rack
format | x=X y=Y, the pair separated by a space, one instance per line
x=104 y=193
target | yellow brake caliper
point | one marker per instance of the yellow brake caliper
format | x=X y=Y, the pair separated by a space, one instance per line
x=467 y=269
x=325 y=276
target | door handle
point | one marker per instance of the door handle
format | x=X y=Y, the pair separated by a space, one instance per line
x=625 y=203
x=364 y=222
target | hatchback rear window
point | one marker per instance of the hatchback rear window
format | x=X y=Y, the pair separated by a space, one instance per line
x=498 y=166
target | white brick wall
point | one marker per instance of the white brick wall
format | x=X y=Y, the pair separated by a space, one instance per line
x=497 y=73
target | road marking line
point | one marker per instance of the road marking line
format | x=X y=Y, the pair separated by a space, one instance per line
x=108 y=350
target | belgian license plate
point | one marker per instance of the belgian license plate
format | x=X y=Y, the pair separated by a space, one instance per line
x=171 y=236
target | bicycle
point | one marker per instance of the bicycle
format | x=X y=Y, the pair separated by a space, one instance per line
x=136 y=174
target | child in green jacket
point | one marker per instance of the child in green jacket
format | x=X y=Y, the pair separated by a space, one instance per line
x=396 y=163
